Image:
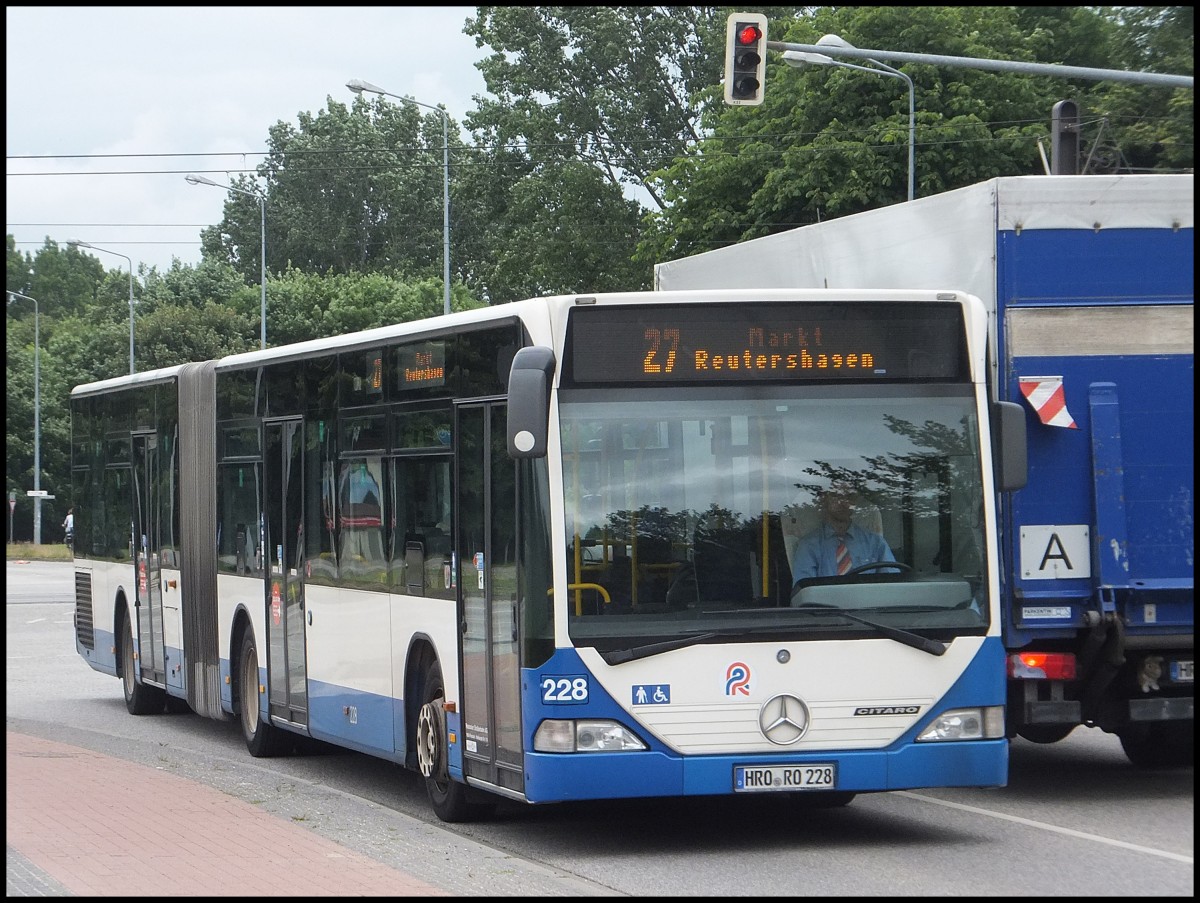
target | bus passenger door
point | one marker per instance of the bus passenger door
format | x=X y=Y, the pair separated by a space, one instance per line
x=487 y=563
x=283 y=508
x=146 y=540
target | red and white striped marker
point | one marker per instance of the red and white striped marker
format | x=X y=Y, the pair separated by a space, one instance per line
x=1045 y=395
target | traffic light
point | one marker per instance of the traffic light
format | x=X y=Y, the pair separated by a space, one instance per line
x=745 y=59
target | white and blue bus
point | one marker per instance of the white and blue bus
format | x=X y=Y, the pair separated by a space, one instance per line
x=544 y=551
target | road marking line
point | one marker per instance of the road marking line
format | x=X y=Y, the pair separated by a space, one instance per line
x=1188 y=860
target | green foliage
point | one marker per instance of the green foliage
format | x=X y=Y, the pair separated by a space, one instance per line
x=47 y=551
x=173 y=335
x=358 y=188
x=19 y=271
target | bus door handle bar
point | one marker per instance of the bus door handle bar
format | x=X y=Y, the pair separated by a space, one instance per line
x=578 y=601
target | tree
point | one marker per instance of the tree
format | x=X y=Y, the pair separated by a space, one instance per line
x=349 y=189
x=555 y=230
x=1138 y=128
x=608 y=85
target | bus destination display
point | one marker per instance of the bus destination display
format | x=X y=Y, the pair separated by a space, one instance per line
x=766 y=342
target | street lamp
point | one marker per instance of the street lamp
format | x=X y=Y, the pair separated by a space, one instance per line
x=76 y=243
x=262 y=210
x=797 y=59
x=357 y=85
x=37 y=419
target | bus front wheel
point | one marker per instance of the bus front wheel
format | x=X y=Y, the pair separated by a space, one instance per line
x=824 y=799
x=452 y=801
x=263 y=739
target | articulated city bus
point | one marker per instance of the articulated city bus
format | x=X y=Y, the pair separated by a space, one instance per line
x=556 y=549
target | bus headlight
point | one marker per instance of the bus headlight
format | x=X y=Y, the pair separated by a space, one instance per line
x=984 y=723
x=561 y=736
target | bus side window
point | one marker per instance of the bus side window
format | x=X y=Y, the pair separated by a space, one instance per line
x=420 y=526
x=360 y=510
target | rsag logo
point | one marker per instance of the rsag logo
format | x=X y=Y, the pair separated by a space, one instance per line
x=737 y=679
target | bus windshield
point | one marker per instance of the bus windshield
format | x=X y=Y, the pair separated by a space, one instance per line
x=758 y=510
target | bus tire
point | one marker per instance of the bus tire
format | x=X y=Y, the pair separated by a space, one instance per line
x=140 y=698
x=452 y=801
x=1159 y=744
x=263 y=739
x=825 y=799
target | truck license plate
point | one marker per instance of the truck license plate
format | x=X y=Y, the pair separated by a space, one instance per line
x=1181 y=672
x=762 y=778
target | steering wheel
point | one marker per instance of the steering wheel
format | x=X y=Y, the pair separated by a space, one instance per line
x=875 y=566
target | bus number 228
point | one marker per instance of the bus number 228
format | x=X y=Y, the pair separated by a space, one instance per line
x=564 y=690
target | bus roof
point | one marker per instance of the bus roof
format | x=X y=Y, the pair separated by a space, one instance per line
x=549 y=308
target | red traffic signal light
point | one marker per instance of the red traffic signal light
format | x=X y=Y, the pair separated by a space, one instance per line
x=748 y=35
x=745 y=58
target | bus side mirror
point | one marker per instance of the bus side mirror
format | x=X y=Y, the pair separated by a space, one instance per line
x=529 y=402
x=1010 y=450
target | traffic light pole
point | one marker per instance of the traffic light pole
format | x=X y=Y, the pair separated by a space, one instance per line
x=969 y=62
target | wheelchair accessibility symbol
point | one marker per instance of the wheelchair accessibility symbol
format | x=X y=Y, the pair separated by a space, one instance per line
x=651 y=694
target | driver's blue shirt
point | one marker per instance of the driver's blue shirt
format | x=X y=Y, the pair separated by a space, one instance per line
x=816 y=553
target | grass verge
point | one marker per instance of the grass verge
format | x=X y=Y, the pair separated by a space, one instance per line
x=44 y=552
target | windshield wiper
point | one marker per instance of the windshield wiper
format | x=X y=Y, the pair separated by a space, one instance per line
x=620 y=656
x=933 y=647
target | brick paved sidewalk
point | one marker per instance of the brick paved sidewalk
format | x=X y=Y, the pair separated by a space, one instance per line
x=100 y=826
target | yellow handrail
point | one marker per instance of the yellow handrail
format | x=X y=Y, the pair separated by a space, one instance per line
x=578 y=600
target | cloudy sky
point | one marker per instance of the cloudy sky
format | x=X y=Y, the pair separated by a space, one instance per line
x=108 y=108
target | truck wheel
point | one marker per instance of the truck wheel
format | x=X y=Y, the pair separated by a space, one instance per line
x=140 y=698
x=1159 y=744
x=263 y=739
x=452 y=801
x=1045 y=733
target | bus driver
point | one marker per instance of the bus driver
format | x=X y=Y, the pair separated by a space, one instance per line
x=838 y=545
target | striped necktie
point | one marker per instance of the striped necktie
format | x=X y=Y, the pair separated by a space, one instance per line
x=843 y=556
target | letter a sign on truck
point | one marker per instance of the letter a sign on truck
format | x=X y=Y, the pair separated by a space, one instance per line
x=1055 y=552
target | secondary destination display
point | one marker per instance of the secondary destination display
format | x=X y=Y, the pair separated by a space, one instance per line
x=421 y=364
x=779 y=342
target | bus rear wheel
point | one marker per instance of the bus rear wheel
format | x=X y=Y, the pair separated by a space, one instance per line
x=140 y=698
x=452 y=801
x=263 y=739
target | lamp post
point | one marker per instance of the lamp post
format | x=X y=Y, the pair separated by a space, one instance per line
x=797 y=58
x=76 y=243
x=37 y=419
x=262 y=210
x=357 y=85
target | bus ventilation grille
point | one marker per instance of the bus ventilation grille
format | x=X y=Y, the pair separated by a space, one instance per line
x=85 y=633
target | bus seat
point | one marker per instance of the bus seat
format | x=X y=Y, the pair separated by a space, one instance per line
x=723 y=572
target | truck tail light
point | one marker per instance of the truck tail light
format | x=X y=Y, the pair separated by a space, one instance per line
x=1042 y=665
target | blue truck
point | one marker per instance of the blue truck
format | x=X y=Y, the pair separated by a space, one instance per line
x=1089 y=284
